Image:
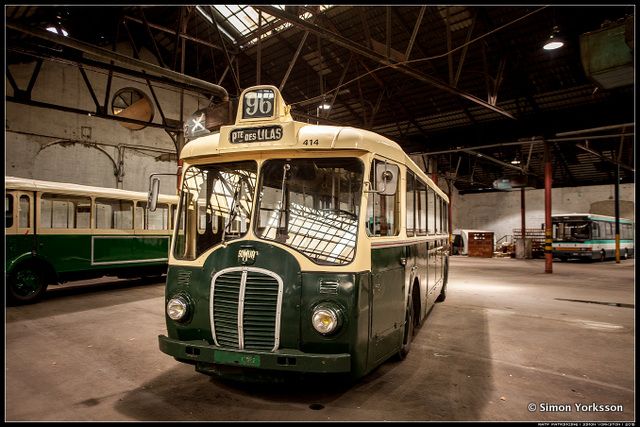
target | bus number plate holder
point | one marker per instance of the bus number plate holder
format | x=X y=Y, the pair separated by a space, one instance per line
x=226 y=358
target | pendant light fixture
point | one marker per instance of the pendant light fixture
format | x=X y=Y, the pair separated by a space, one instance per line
x=554 y=41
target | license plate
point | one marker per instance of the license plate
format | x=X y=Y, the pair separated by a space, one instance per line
x=236 y=359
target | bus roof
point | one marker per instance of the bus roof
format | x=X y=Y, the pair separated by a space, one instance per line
x=26 y=184
x=583 y=216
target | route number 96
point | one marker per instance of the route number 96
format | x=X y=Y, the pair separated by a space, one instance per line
x=258 y=103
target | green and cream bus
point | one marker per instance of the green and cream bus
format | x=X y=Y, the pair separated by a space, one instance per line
x=299 y=247
x=57 y=232
x=590 y=236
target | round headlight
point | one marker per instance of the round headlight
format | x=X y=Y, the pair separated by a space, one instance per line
x=177 y=308
x=326 y=319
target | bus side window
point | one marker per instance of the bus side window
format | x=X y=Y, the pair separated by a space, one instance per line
x=608 y=231
x=627 y=231
x=64 y=211
x=422 y=208
x=431 y=211
x=595 y=230
x=411 y=205
x=114 y=214
x=156 y=220
x=8 y=210
x=438 y=204
x=24 y=212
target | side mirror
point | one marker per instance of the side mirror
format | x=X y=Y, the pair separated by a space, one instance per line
x=387 y=179
x=154 y=190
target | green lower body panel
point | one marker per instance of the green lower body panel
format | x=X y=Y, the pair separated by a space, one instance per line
x=195 y=352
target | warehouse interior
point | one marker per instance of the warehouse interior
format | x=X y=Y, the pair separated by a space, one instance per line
x=509 y=130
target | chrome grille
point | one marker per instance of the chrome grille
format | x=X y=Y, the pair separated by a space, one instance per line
x=245 y=308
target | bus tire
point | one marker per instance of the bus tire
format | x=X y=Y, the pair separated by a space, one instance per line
x=626 y=254
x=443 y=294
x=603 y=255
x=408 y=331
x=445 y=280
x=27 y=285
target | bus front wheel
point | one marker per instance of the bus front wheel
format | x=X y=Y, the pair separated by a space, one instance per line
x=603 y=255
x=27 y=285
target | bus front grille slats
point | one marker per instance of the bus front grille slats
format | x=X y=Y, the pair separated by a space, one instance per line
x=259 y=310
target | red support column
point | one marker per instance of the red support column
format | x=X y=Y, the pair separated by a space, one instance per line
x=522 y=214
x=548 y=173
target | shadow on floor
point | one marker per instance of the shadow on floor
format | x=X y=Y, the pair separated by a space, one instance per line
x=430 y=384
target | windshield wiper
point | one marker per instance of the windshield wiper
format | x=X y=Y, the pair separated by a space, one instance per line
x=233 y=211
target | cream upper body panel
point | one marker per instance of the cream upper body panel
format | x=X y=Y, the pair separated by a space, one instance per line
x=279 y=132
x=24 y=184
x=279 y=135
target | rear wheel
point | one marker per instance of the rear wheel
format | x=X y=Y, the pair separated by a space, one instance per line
x=27 y=285
x=408 y=331
x=443 y=294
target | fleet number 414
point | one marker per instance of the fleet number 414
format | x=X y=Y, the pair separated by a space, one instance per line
x=310 y=142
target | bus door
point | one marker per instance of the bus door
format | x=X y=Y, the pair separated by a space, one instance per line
x=23 y=239
x=388 y=262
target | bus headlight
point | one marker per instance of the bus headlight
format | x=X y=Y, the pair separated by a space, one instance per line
x=326 y=319
x=177 y=308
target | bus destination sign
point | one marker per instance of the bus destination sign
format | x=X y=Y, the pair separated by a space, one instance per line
x=259 y=134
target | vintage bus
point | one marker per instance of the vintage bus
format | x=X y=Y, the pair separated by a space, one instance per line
x=57 y=232
x=300 y=247
x=590 y=237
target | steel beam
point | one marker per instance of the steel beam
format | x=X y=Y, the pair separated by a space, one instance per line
x=174 y=33
x=363 y=51
x=414 y=34
x=88 y=113
x=606 y=159
x=122 y=59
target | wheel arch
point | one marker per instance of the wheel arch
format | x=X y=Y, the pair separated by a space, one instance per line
x=28 y=259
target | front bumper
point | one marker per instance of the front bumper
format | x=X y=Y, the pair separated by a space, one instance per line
x=195 y=352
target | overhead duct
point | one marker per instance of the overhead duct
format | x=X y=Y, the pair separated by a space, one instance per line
x=607 y=54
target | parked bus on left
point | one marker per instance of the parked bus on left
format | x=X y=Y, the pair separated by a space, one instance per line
x=57 y=232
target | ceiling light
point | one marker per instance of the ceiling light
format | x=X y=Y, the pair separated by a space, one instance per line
x=554 y=41
x=515 y=162
x=55 y=30
x=324 y=106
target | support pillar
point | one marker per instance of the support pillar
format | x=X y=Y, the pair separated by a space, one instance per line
x=522 y=213
x=617 y=207
x=548 y=236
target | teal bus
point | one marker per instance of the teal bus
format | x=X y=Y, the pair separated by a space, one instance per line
x=300 y=248
x=590 y=237
x=57 y=232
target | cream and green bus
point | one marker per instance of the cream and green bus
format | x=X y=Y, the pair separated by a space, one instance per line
x=57 y=232
x=300 y=247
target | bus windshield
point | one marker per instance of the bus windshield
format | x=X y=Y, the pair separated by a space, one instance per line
x=312 y=206
x=571 y=231
x=216 y=202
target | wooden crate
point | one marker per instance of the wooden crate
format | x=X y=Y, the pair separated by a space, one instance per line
x=481 y=244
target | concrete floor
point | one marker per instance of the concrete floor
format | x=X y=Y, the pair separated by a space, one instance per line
x=505 y=338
